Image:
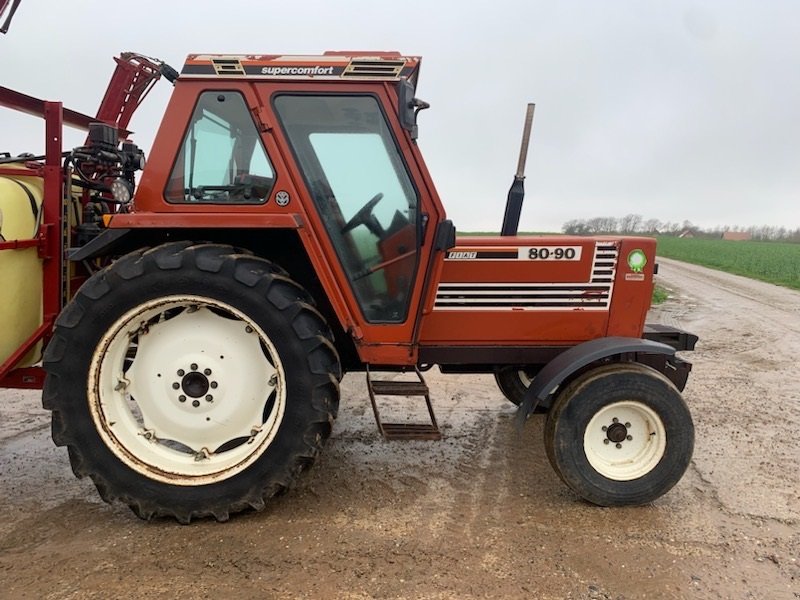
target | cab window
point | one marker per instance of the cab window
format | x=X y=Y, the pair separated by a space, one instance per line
x=222 y=159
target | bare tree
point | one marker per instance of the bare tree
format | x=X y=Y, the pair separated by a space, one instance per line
x=576 y=227
x=652 y=226
x=630 y=223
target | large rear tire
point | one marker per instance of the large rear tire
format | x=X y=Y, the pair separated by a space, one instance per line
x=191 y=381
x=619 y=435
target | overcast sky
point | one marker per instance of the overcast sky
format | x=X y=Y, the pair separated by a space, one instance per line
x=671 y=109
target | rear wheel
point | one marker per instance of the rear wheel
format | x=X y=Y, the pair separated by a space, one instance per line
x=191 y=381
x=620 y=435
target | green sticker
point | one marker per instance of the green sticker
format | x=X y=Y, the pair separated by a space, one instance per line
x=637 y=260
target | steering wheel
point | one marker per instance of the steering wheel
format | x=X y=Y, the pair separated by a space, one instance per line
x=364 y=216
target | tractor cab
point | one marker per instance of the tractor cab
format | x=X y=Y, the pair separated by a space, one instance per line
x=322 y=147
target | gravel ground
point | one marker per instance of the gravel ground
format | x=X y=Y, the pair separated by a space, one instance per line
x=479 y=514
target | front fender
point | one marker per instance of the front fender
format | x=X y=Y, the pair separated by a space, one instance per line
x=565 y=364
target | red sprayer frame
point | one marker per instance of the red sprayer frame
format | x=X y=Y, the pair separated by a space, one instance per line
x=48 y=239
x=133 y=78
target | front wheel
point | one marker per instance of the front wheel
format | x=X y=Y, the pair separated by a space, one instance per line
x=620 y=435
x=191 y=381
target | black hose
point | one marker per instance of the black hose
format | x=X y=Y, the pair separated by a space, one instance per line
x=26 y=158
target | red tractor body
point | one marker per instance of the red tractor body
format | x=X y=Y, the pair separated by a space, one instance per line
x=298 y=180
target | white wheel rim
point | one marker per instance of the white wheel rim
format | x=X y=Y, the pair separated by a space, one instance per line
x=524 y=379
x=625 y=440
x=186 y=390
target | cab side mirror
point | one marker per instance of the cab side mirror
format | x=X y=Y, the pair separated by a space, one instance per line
x=408 y=107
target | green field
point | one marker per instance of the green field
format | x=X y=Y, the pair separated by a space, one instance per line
x=773 y=262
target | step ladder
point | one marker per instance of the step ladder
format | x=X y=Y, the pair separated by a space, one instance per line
x=409 y=389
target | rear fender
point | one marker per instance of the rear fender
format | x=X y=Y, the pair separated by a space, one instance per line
x=109 y=241
x=570 y=362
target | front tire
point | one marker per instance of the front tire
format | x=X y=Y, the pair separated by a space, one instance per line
x=191 y=381
x=620 y=434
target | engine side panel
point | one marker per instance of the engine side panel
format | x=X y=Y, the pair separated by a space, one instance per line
x=549 y=290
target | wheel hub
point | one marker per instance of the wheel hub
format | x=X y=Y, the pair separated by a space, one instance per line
x=617 y=432
x=195 y=384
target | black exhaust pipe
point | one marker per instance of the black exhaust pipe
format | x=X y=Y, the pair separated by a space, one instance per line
x=517 y=192
x=12 y=10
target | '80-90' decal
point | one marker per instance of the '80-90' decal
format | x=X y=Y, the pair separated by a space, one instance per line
x=550 y=253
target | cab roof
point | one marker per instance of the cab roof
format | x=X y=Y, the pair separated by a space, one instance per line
x=330 y=66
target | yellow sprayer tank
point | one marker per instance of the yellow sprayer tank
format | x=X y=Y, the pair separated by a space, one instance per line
x=21 y=269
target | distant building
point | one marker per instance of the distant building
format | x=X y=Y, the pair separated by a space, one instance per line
x=737 y=236
x=686 y=233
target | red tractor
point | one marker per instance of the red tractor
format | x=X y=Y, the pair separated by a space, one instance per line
x=195 y=314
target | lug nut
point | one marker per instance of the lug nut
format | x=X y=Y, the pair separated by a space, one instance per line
x=195 y=403
x=194 y=366
x=181 y=372
x=619 y=446
x=214 y=384
x=605 y=441
x=209 y=398
x=629 y=438
x=627 y=425
x=207 y=371
x=182 y=398
x=615 y=420
x=176 y=385
x=605 y=428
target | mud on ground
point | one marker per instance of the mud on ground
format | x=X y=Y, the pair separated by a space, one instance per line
x=479 y=514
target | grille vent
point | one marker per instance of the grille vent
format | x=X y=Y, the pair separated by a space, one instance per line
x=374 y=68
x=227 y=66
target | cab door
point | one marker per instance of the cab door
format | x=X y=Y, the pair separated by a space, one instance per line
x=353 y=161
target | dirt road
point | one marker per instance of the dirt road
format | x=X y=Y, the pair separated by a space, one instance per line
x=480 y=514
